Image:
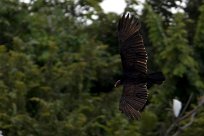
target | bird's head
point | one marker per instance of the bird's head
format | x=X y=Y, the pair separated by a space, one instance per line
x=117 y=83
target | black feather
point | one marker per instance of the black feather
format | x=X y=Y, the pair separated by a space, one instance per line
x=134 y=62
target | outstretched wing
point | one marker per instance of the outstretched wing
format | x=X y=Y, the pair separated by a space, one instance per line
x=134 y=62
x=132 y=50
x=133 y=100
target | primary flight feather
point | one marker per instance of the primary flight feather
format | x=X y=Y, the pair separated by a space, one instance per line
x=134 y=63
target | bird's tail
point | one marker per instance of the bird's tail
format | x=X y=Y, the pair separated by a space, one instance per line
x=155 y=78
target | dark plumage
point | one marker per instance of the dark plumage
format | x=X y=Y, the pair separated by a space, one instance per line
x=134 y=62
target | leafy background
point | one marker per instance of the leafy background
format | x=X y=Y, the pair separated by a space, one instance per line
x=57 y=72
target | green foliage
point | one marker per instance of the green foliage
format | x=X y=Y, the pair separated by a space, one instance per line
x=148 y=123
x=57 y=71
x=198 y=39
x=196 y=128
x=177 y=59
x=178 y=49
x=163 y=8
x=156 y=32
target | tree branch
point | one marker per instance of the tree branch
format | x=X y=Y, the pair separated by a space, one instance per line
x=192 y=113
x=187 y=104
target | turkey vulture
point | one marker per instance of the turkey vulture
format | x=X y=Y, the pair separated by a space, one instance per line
x=135 y=79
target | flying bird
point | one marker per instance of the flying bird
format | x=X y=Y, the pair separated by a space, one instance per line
x=135 y=79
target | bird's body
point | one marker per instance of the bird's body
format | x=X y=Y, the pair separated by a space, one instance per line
x=134 y=62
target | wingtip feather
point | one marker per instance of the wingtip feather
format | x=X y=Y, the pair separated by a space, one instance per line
x=128 y=25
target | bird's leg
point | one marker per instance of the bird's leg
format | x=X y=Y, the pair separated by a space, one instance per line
x=117 y=83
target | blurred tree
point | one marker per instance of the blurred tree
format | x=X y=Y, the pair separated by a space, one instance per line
x=198 y=40
x=57 y=58
x=174 y=54
x=163 y=8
